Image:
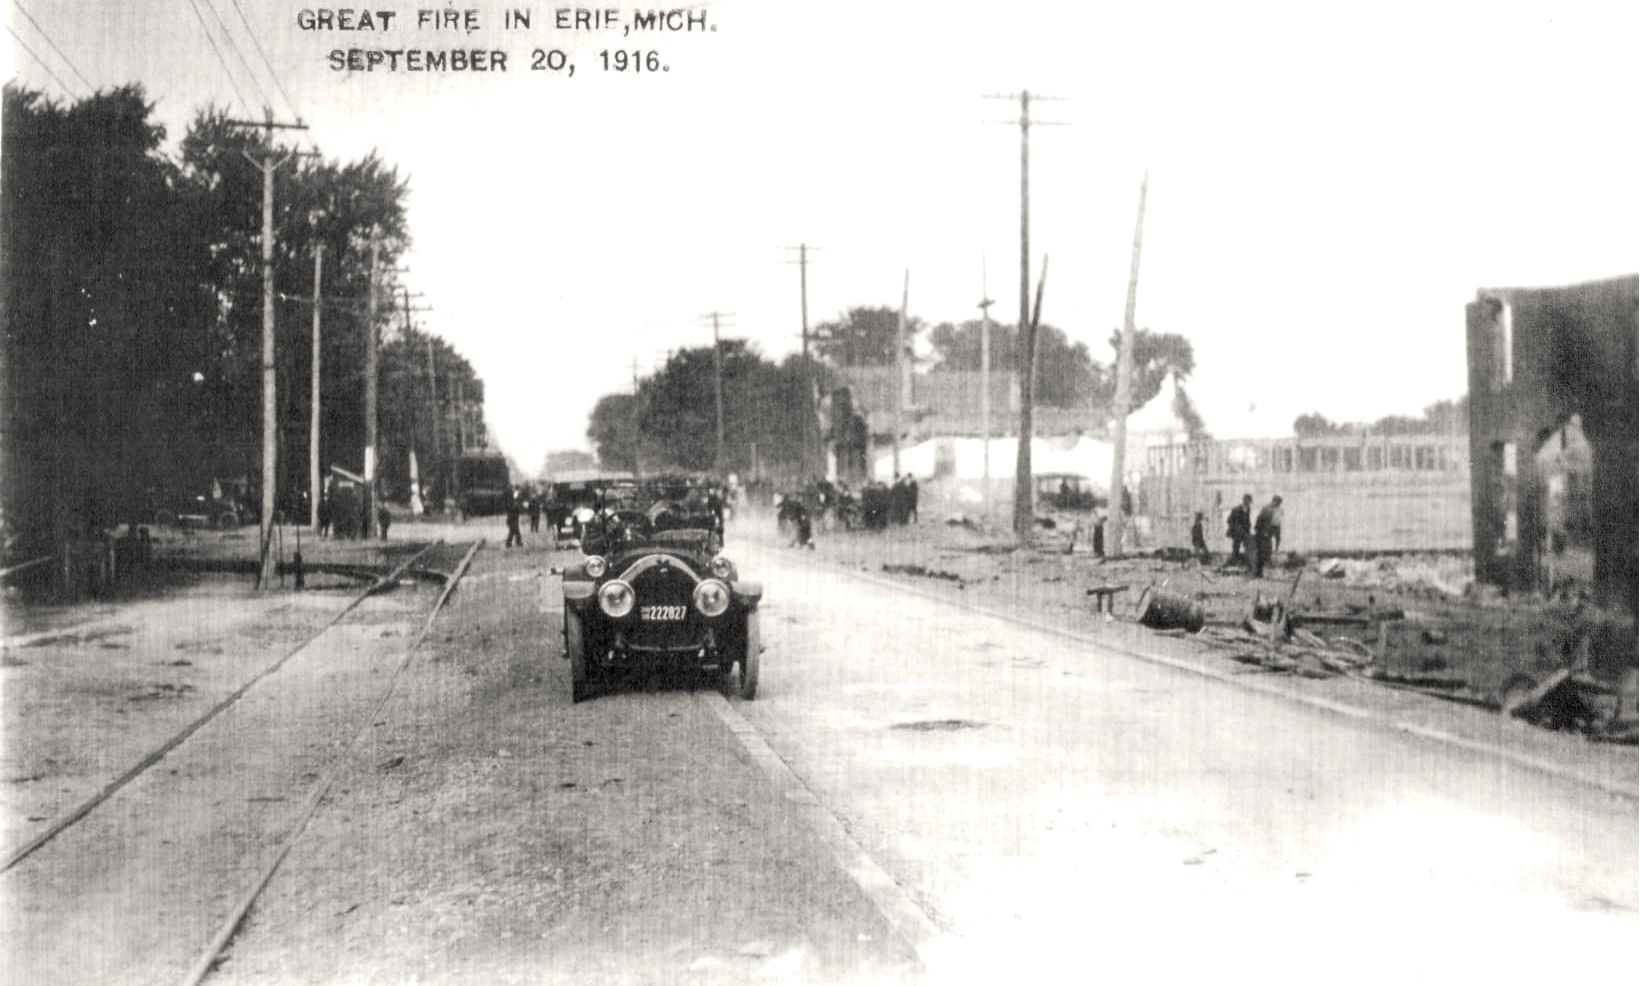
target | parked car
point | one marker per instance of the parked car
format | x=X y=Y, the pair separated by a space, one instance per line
x=167 y=507
x=653 y=591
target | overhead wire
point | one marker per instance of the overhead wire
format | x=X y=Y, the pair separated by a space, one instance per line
x=60 y=54
x=239 y=53
x=43 y=64
x=219 y=59
x=290 y=104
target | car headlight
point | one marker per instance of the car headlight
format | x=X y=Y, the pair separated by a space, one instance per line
x=711 y=597
x=615 y=598
x=722 y=567
x=596 y=566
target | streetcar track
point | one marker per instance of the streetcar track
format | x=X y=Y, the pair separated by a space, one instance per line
x=213 y=954
x=153 y=757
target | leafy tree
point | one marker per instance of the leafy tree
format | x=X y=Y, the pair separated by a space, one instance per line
x=675 y=424
x=1065 y=372
x=1315 y=425
x=102 y=309
x=863 y=336
x=1156 y=355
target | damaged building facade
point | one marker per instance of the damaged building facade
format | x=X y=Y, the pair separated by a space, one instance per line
x=1553 y=390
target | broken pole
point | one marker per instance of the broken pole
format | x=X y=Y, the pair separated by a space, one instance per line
x=1124 y=384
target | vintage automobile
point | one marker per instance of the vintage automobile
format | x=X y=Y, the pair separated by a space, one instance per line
x=653 y=591
x=170 y=506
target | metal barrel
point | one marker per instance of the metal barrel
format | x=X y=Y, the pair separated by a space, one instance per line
x=1162 y=610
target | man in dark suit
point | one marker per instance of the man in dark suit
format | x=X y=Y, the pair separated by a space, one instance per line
x=1239 y=528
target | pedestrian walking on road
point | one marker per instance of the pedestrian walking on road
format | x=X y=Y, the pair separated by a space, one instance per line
x=384 y=519
x=535 y=514
x=1266 y=535
x=514 y=508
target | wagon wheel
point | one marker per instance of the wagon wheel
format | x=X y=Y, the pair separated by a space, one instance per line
x=575 y=649
x=164 y=517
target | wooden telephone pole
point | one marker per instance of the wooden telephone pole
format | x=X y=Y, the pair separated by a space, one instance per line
x=717 y=382
x=1124 y=384
x=985 y=388
x=314 y=489
x=267 y=568
x=813 y=455
x=1025 y=355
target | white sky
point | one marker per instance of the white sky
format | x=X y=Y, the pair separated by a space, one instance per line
x=1330 y=183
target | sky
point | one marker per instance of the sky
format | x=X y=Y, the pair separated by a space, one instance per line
x=1329 y=184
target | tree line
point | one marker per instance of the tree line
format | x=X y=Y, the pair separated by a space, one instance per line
x=132 y=311
x=669 y=422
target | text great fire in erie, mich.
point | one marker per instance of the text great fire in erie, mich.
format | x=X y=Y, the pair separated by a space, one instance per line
x=358 y=19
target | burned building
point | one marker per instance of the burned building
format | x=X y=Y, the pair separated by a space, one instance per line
x=1550 y=368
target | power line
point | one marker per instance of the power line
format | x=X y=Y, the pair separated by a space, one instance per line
x=238 y=53
x=53 y=44
x=218 y=52
x=289 y=103
x=24 y=45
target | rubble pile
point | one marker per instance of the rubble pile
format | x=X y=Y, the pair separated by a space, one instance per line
x=1420 y=575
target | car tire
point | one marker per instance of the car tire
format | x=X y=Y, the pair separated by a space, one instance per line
x=740 y=674
x=227 y=520
x=164 y=518
x=575 y=649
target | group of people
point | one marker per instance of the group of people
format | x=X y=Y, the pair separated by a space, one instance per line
x=350 y=517
x=1254 y=538
x=826 y=503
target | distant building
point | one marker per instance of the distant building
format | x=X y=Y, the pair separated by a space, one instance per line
x=1540 y=361
x=1340 y=493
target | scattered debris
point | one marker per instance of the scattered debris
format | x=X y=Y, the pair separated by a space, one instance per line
x=939 y=725
x=914 y=569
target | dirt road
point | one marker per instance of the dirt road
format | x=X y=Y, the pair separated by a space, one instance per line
x=921 y=792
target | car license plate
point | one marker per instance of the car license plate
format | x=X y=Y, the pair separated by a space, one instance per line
x=670 y=614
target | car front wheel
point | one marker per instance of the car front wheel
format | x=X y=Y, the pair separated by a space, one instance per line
x=575 y=649
x=740 y=671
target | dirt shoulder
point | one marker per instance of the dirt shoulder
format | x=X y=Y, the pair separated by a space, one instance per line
x=1475 y=646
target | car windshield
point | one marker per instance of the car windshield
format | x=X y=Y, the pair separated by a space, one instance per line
x=680 y=513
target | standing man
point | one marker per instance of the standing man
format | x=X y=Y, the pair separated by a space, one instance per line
x=1266 y=535
x=514 y=508
x=384 y=520
x=1198 y=538
x=911 y=499
x=535 y=512
x=1239 y=528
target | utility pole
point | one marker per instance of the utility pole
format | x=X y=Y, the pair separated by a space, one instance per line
x=433 y=467
x=1124 y=377
x=900 y=371
x=717 y=382
x=637 y=420
x=1025 y=354
x=416 y=504
x=270 y=437
x=370 y=387
x=812 y=462
x=314 y=491
x=985 y=387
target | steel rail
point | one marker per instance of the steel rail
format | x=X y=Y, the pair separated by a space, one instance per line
x=225 y=933
x=108 y=790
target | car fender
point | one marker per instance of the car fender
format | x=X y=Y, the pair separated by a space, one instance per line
x=579 y=595
x=746 y=594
